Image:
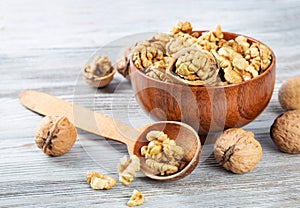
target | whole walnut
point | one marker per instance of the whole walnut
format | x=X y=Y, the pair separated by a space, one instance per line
x=289 y=94
x=55 y=135
x=237 y=150
x=285 y=132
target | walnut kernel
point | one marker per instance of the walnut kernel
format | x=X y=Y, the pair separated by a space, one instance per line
x=136 y=199
x=208 y=40
x=146 y=53
x=162 y=154
x=181 y=27
x=238 y=59
x=55 y=135
x=100 y=181
x=161 y=38
x=195 y=65
x=161 y=167
x=289 y=94
x=127 y=169
x=237 y=150
x=181 y=41
x=285 y=132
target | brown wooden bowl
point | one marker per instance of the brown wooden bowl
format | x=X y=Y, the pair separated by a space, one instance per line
x=205 y=108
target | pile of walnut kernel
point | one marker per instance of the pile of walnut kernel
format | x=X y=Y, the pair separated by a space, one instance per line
x=127 y=169
x=238 y=60
x=163 y=156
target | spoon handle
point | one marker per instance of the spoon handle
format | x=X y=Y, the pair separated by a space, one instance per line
x=82 y=117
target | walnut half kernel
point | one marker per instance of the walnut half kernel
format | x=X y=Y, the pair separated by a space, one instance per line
x=237 y=150
x=127 y=169
x=194 y=67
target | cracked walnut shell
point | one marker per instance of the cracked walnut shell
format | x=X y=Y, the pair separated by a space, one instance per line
x=55 y=135
x=285 y=132
x=123 y=62
x=237 y=150
x=99 y=73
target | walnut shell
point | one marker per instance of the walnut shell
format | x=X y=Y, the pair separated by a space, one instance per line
x=123 y=61
x=100 y=82
x=123 y=66
x=285 y=132
x=55 y=135
x=99 y=73
x=237 y=150
x=289 y=94
x=193 y=67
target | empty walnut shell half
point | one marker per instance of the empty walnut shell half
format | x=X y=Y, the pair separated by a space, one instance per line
x=193 y=67
x=55 y=135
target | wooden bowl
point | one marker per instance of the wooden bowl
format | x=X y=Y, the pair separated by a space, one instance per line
x=206 y=109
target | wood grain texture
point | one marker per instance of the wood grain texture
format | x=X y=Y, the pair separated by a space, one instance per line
x=43 y=46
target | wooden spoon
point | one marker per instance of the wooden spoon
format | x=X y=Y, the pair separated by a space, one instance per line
x=110 y=128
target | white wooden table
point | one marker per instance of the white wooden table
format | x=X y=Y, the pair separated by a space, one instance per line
x=44 y=44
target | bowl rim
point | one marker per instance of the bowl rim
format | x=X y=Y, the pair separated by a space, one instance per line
x=260 y=76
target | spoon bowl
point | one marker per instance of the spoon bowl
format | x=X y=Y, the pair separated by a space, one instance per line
x=184 y=135
x=110 y=128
